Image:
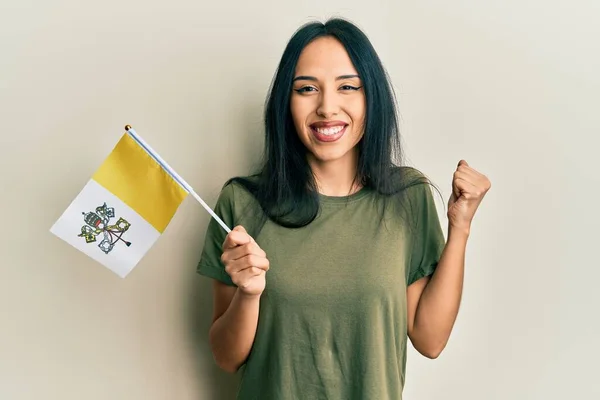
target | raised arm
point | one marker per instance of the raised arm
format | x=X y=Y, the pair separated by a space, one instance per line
x=433 y=302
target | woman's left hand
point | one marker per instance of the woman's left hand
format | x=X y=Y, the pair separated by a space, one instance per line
x=468 y=189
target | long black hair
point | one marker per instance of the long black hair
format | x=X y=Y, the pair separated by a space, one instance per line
x=285 y=186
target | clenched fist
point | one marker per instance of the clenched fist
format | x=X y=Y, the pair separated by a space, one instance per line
x=469 y=187
x=245 y=262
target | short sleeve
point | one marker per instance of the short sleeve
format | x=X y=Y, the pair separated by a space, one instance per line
x=210 y=264
x=428 y=240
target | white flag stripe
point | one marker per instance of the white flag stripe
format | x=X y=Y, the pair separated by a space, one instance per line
x=133 y=229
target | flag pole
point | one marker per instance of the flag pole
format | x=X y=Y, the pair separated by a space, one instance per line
x=175 y=176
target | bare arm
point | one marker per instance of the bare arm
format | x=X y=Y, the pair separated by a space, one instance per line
x=235 y=318
x=433 y=302
x=235 y=314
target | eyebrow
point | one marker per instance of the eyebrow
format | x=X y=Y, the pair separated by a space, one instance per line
x=312 y=78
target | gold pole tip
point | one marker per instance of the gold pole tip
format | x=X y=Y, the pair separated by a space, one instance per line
x=127 y=127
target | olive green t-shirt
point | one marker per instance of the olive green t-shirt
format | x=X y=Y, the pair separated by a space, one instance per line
x=332 y=320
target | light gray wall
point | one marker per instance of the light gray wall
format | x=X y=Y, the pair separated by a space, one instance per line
x=512 y=87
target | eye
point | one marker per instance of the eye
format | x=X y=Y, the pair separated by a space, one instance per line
x=350 y=87
x=306 y=89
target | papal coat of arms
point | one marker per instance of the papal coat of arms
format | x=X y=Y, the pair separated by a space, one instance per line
x=97 y=224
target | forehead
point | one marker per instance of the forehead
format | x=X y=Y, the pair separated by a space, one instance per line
x=324 y=57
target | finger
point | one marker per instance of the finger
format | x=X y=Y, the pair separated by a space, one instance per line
x=246 y=273
x=240 y=228
x=475 y=178
x=467 y=189
x=464 y=167
x=475 y=175
x=461 y=174
x=243 y=250
x=246 y=249
x=469 y=174
x=242 y=278
x=252 y=260
x=235 y=238
x=246 y=262
x=463 y=183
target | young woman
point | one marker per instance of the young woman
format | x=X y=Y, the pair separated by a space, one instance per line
x=337 y=257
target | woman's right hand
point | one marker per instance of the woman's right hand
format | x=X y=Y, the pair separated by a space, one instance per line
x=245 y=262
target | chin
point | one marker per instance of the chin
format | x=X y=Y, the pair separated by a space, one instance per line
x=330 y=155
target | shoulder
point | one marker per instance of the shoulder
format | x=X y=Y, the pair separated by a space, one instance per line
x=412 y=192
x=408 y=184
x=236 y=199
x=406 y=176
x=237 y=190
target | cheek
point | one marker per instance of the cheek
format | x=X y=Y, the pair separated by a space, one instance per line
x=357 y=113
x=356 y=105
x=295 y=108
x=300 y=109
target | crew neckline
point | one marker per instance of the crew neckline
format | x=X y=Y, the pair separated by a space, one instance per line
x=328 y=199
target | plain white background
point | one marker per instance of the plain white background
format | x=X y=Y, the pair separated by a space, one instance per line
x=510 y=86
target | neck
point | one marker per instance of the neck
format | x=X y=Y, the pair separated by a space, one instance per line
x=336 y=178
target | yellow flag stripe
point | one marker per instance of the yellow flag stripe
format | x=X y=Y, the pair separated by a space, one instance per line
x=131 y=174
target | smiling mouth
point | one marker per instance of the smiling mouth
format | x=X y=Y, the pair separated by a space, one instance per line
x=328 y=133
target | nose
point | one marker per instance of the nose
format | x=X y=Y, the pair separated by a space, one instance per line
x=328 y=104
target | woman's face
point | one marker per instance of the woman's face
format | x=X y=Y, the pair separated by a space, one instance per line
x=328 y=102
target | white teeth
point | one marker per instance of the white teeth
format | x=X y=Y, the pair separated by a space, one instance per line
x=329 y=131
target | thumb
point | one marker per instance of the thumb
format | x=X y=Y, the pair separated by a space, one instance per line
x=240 y=228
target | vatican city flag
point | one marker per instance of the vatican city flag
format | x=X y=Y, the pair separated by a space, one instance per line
x=125 y=206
